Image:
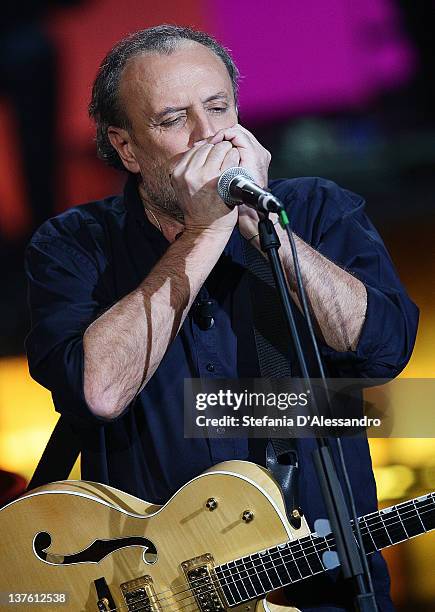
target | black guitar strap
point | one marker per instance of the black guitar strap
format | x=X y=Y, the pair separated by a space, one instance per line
x=272 y=342
x=59 y=455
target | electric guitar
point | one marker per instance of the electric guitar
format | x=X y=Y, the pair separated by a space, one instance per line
x=222 y=541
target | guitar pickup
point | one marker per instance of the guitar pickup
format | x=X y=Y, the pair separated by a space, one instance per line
x=203 y=582
x=139 y=594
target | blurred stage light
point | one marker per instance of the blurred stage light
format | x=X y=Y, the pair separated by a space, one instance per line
x=394 y=481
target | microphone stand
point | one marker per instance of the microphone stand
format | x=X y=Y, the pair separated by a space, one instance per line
x=339 y=519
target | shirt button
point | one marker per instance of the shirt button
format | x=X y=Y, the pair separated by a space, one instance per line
x=210 y=367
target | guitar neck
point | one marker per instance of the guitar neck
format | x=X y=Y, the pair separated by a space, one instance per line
x=398 y=523
x=262 y=572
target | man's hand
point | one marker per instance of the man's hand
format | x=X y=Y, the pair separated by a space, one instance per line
x=194 y=180
x=256 y=159
x=253 y=156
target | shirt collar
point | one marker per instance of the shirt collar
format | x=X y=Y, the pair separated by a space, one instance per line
x=132 y=200
x=136 y=211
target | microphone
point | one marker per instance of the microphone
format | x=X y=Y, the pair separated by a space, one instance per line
x=236 y=186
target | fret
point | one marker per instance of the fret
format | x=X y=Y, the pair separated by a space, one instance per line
x=234 y=566
x=313 y=554
x=245 y=579
x=411 y=519
x=394 y=526
x=291 y=565
x=284 y=561
x=418 y=514
x=261 y=573
x=397 y=510
x=426 y=508
x=271 y=572
x=237 y=583
x=324 y=545
x=366 y=534
x=302 y=560
x=254 y=577
x=275 y=560
x=306 y=556
x=385 y=527
x=227 y=584
x=378 y=531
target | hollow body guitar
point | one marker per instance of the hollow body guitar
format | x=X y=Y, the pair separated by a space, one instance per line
x=222 y=541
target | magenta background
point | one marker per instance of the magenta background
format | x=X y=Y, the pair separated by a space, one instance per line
x=295 y=55
x=312 y=55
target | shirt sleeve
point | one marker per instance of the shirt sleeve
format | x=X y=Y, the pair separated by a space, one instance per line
x=333 y=221
x=64 y=299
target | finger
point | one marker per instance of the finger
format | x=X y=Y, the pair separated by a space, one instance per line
x=218 y=137
x=252 y=153
x=241 y=141
x=236 y=134
x=217 y=154
x=198 y=154
x=231 y=159
x=208 y=156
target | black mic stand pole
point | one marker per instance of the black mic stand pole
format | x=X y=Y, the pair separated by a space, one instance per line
x=338 y=514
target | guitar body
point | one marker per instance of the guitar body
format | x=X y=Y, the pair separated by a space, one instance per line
x=63 y=537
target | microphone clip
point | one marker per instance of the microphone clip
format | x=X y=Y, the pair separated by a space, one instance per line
x=203 y=314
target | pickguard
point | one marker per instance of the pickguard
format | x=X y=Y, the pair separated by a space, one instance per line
x=94 y=553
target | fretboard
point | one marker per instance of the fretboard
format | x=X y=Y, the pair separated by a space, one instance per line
x=257 y=574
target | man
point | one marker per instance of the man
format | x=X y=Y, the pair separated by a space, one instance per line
x=113 y=284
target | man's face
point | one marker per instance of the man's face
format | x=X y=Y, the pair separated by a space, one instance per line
x=172 y=101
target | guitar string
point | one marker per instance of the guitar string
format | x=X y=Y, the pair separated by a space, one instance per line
x=376 y=516
x=393 y=521
x=293 y=544
x=312 y=549
x=305 y=551
x=316 y=549
x=183 y=607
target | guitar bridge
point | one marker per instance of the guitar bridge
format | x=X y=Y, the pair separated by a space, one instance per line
x=139 y=594
x=204 y=583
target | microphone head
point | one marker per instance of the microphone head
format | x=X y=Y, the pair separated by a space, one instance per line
x=225 y=179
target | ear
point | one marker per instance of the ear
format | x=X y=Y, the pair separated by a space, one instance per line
x=121 y=140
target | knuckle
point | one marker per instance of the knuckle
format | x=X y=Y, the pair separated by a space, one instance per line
x=225 y=145
x=189 y=176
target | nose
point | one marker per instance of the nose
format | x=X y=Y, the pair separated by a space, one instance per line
x=203 y=128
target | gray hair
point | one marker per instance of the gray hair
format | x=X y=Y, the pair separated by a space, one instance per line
x=105 y=107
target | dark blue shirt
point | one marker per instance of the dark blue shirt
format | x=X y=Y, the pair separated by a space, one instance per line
x=88 y=258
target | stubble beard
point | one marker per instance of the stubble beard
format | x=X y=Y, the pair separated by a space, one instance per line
x=158 y=192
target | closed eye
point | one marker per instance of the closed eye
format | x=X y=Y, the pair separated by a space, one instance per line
x=177 y=120
x=218 y=109
x=174 y=121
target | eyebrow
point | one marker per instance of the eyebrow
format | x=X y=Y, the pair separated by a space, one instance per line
x=221 y=95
